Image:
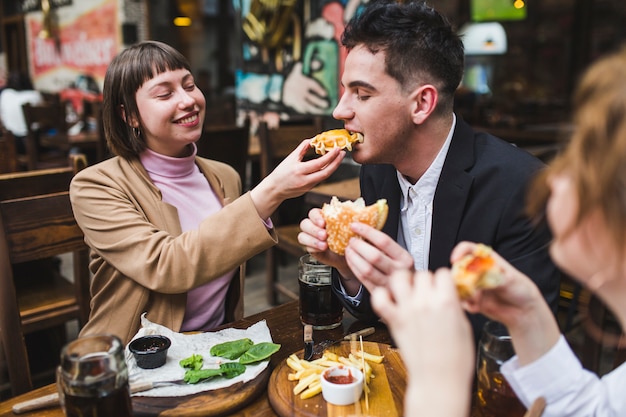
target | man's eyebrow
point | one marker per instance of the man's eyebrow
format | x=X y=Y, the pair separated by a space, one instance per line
x=363 y=84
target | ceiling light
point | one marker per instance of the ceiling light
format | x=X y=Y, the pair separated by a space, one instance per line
x=182 y=21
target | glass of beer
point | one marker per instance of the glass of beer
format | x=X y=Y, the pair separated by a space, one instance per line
x=92 y=378
x=494 y=396
x=319 y=307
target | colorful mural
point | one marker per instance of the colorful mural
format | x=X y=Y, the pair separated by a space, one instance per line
x=291 y=57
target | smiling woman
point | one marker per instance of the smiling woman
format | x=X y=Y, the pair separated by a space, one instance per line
x=169 y=231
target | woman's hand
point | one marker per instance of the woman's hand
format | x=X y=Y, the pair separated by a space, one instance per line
x=293 y=177
x=518 y=304
x=426 y=320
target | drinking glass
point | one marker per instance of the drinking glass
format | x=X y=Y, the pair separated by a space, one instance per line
x=92 y=378
x=319 y=306
x=494 y=395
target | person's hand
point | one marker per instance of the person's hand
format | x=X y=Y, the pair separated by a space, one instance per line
x=426 y=320
x=375 y=257
x=518 y=304
x=304 y=94
x=293 y=177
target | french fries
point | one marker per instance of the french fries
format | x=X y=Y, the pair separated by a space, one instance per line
x=307 y=373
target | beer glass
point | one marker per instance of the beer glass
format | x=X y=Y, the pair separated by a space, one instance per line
x=319 y=307
x=494 y=396
x=92 y=378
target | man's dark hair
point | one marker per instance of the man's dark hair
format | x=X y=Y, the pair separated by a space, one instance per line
x=419 y=43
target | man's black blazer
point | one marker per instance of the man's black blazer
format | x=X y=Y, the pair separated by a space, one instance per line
x=480 y=197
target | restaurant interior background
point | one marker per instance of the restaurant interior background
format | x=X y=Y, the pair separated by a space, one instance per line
x=521 y=64
x=527 y=82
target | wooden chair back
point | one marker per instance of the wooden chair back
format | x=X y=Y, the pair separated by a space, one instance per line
x=226 y=143
x=276 y=144
x=8 y=152
x=92 y=118
x=43 y=181
x=42 y=118
x=36 y=227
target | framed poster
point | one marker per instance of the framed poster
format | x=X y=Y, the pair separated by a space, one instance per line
x=85 y=38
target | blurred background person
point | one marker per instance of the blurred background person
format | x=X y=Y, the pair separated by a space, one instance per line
x=19 y=91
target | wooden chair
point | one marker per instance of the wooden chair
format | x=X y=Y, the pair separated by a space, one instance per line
x=35 y=227
x=227 y=143
x=42 y=119
x=30 y=183
x=8 y=153
x=276 y=144
x=92 y=122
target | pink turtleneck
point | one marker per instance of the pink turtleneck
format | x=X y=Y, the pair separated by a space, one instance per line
x=183 y=186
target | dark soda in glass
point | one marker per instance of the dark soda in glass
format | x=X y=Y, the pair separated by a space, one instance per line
x=116 y=403
x=92 y=378
x=319 y=306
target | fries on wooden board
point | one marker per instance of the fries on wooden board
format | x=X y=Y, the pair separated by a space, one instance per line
x=307 y=373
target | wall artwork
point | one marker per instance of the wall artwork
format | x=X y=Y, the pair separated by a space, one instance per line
x=81 y=42
x=291 y=56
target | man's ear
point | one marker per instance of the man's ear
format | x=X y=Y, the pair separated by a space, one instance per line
x=425 y=98
x=132 y=122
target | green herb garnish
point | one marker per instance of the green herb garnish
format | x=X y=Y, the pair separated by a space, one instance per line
x=259 y=352
x=227 y=370
x=232 y=349
x=193 y=362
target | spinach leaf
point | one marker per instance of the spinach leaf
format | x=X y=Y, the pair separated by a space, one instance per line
x=259 y=352
x=227 y=370
x=193 y=376
x=192 y=362
x=232 y=369
x=232 y=349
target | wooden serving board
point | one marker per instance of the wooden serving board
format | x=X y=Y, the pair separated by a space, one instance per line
x=220 y=402
x=386 y=397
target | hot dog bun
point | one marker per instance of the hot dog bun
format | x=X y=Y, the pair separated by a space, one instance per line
x=477 y=270
x=329 y=139
x=339 y=215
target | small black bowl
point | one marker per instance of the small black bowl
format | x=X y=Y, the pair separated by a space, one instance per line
x=150 y=351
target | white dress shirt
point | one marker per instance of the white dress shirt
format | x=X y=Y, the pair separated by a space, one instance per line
x=568 y=388
x=416 y=212
x=416 y=207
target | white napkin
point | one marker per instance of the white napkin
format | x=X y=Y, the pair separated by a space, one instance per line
x=183 y=346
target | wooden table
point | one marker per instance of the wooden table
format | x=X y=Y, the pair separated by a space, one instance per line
x=344 y=190
x=284 y=324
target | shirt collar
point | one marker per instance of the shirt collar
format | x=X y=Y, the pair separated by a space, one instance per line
x=427 y=183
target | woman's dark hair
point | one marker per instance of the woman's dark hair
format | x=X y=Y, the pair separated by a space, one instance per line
x=128 y=71
x=420 y=45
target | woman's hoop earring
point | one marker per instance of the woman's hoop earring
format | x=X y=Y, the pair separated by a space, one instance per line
x=136 y=132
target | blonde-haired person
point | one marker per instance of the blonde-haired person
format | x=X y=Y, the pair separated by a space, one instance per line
x=583 y=193
x=169 y=232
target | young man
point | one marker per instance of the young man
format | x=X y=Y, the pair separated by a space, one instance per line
x=444 y=183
